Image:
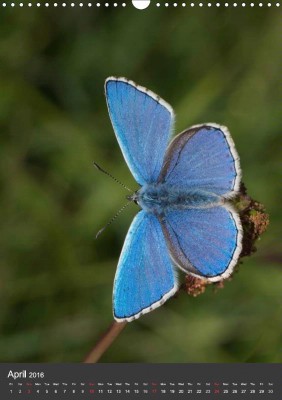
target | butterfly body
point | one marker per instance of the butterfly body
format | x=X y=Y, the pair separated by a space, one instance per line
x=186 y=219
x=161 y=198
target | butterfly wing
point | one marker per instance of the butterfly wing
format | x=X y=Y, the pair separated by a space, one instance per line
x=142 y=122
x=204 y=242
x=145 y=277
x=203 y=157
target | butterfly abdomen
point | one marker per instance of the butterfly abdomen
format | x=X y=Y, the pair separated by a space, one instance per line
x=160 y=198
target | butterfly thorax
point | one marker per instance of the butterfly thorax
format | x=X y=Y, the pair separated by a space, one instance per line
x=161 y=198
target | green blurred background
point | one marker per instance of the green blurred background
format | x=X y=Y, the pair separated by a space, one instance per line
x=211 y=65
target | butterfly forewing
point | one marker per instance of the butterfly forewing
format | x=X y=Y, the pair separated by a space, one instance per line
x=144 y=277
x=142 y=122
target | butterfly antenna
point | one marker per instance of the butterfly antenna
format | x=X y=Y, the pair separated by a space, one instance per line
x=112 y=219
x=111 y=176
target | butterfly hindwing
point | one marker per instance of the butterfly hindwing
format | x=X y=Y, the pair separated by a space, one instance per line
x=142 y=122
x=203 y=157
x=205 y=242
x=145 y=277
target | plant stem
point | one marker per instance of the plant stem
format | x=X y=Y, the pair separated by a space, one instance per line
x=104 y=342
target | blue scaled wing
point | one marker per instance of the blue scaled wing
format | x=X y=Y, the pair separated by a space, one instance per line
x=204 y=242
x=145 y=277
x=203 y=157
x=142 y=122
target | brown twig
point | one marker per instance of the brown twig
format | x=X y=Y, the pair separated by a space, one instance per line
x=105 y=341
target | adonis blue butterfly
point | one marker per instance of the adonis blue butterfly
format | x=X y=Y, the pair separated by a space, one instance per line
x=185 y=219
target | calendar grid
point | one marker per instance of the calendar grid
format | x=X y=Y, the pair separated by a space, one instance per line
x=141 y=381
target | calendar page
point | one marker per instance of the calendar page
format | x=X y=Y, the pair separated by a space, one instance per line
x=140 y=148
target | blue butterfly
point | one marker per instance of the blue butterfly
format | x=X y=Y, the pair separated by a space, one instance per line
x=186 y=220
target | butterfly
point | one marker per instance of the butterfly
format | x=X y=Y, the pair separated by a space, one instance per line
x=186 y=220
